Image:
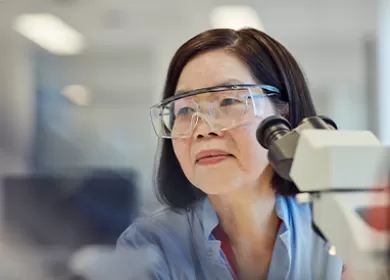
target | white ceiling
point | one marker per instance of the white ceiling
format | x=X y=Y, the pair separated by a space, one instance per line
x=123 y=23
x=326 y=36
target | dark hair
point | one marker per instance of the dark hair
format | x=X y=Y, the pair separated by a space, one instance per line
x=269 y=62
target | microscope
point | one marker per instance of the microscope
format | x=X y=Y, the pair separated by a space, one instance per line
x=344 y=174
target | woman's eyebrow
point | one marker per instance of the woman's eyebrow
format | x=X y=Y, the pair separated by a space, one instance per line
x=224 y=83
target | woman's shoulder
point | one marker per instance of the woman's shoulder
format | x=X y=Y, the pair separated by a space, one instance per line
x=167 y=234
x=298 y=218
x=153 y=228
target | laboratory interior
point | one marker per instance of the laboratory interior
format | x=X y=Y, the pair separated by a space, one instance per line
x=79 y=152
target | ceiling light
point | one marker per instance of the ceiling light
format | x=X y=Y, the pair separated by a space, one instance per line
x=51 y=33
x=77 y=94
x=235 y=17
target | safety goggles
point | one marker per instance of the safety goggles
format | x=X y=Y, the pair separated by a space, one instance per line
x=222 y=108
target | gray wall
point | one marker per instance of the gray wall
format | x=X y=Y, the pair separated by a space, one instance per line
x=114 y=130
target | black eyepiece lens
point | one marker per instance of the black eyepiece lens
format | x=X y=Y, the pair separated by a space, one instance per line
x=271 y=129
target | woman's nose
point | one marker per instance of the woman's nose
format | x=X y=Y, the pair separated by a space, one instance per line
x=205 y=128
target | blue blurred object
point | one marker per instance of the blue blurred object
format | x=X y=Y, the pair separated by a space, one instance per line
x=71 y=211
x=103 y=201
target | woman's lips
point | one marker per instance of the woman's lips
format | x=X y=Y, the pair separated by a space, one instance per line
x=211 y=157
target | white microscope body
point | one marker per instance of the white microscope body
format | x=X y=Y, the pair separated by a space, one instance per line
x=329 y=160
x=340 y=172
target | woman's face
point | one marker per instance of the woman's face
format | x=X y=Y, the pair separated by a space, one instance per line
x=238 y=159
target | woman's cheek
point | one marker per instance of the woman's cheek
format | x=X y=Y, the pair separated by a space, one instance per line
x=182 y=152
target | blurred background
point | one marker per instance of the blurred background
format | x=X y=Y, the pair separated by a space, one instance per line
x=77 y=78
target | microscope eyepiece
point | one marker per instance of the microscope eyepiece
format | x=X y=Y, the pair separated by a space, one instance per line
x=271 y=129
x=276 y=135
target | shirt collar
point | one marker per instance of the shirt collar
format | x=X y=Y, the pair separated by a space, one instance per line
x=282 y=210
x=209 y=219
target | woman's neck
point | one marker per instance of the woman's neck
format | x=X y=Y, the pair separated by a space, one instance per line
x=248 y=213
x=249 y=218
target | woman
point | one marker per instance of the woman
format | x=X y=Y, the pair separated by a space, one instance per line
x=229 y=215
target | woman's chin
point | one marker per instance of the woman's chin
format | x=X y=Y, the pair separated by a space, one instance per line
x=219 y=185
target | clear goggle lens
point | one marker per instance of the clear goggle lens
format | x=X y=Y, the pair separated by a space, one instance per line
x=221 y=109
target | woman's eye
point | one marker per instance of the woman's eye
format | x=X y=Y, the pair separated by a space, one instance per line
x=184 y=111
x=230 y=101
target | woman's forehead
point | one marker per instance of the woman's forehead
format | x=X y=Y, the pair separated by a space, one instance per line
x=211 y=69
